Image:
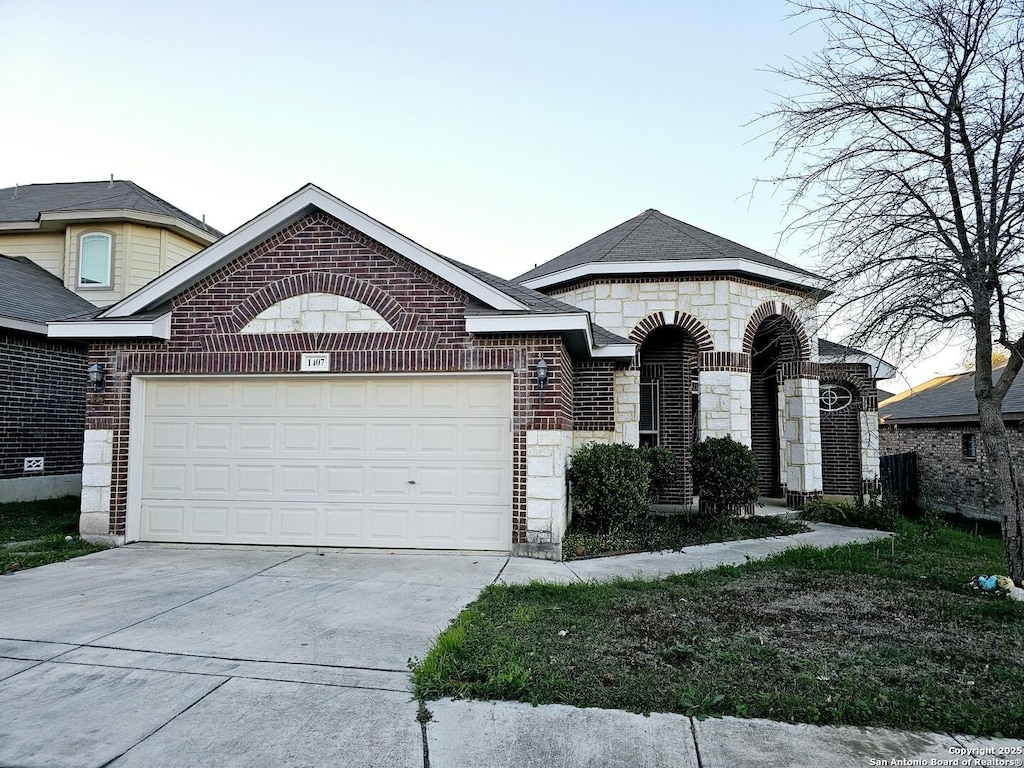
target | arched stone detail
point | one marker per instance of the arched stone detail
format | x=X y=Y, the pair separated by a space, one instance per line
x=318 y=312
x=768 y=309
x=317 y=282
x=682 y=320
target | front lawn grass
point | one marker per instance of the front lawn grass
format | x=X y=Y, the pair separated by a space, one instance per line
x=33 y=533
x=879 y=634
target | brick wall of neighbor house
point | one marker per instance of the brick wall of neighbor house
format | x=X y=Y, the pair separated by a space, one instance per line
x=948 y=481
x=42 y=387
x=319 y=254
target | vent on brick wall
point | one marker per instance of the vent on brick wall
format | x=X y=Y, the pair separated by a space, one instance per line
x=35 y=464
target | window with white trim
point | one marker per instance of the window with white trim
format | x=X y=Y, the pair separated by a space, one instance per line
x=95 y=260
x=835 y=397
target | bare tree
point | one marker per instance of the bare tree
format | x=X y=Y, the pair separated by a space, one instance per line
x=904 y=144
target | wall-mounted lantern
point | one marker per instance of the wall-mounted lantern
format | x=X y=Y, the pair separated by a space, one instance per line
x=97 y=376
x=542 y=373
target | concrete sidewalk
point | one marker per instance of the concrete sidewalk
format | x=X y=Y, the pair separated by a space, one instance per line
x=180 y=656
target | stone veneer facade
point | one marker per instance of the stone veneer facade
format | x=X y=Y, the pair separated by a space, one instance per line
x=721 y=314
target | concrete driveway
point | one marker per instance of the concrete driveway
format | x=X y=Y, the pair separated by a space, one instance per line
x=187 y=656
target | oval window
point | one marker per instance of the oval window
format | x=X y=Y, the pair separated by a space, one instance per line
x=835 y=397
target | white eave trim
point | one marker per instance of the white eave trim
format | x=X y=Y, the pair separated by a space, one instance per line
x=157 y=328
x=273 y=219
x=732 y=266
x=879 y=368
x=28 y=326
x=130 y=214
x=554 y=323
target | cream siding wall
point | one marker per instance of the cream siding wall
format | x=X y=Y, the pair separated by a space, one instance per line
x=145 y=247
x=44 y=248
x=177 y=249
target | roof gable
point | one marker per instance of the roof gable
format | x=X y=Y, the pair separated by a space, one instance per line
x=653 y=242
x=293 y=207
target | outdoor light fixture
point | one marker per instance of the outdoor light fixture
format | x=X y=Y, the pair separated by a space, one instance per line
x=542 y=373
x=97 y=375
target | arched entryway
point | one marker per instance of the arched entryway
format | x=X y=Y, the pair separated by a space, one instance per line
x=668 y=400
x=775 y=342
x=840 y=439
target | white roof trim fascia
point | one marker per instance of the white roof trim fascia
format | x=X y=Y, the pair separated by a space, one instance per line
x=577 y=321
x=158 y=328
x=879 y=368
x=286 y=211
x=22 y=325
x=19 y=225
x=130 y=214
x=772 y=274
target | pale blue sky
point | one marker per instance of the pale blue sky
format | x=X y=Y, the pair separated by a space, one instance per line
x=500 y=134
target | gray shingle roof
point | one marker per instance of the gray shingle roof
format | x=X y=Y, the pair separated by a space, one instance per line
x=26 y=203
x=30 y=293
x=946 y=398
x=536 y=302
x=653 y=236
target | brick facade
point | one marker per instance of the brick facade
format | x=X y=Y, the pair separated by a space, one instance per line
x=593 y=396
x=319 y=254
x=842 y=462
x=42 y=387
x=948 y=481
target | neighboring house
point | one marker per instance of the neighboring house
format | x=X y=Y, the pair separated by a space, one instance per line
x=103 y=239
x=938 y=421
x=316 y=378
x=42 y=385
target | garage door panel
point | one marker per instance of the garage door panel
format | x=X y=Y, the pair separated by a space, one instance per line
x=301 y=438
x=437 y=484
x=486 y=485
x=255 y=479
x=389 y=482
x=487 y=441
x=329 y=461
x=211 y=478
x=300 y=480
x=256 y=437
x=164 y=435
x=345 y=481
x=166 y=478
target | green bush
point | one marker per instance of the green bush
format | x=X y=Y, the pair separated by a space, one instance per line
x=665 y=468
x=879 y=512
x=610 y=486
x=724 y=476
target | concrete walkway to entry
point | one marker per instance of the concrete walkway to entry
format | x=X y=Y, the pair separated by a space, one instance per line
x=163 y=655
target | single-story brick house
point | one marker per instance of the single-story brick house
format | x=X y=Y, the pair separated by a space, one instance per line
x=42 y=385
x=938 y=421
x=317 y=378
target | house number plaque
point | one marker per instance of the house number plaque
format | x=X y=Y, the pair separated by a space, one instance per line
x=315 y=361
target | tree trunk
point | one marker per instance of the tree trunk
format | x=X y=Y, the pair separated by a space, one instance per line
x=1003 y=484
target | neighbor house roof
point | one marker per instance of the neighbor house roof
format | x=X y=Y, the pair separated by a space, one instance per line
x=946 y=399
x=33 y=205
x=653 y=243
x=30 y=296
x=830 y=352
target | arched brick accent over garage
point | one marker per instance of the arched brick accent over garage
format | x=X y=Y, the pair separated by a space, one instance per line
x=317 y=282
x=683 y=320
x=777 y=308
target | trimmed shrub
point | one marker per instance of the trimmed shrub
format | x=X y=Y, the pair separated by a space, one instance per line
x=665 y=469
x=724 y=476
x=879 y=512
x=610 y=486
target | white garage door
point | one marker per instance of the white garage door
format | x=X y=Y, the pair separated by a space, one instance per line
x=398 y=461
